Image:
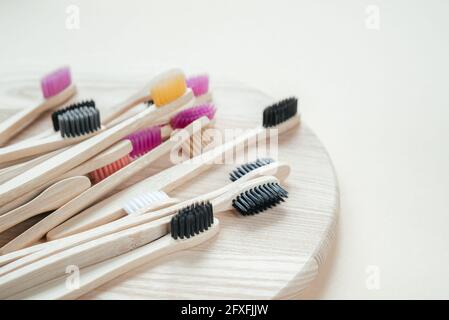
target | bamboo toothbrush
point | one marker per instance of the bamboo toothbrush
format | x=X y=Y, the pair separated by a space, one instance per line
x=57 y=88
x=105 y=157
x=84 y=150
x=50 y=199
x=163 y=89
x=281 y=116
x=205 y=227
x=250 y=198
x=75 y=123
x=139 y=211
x=154 y=200
x=100 y=189
x=200 y=87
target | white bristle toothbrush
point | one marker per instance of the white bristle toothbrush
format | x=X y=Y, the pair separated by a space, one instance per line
x=57 y=88
x=100 y=189
x=281 y=116
x=75 y=155
x=139 y=211
x=249 y=198
x=112 y=153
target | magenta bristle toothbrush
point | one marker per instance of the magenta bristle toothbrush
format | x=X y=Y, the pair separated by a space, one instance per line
x=187 y=116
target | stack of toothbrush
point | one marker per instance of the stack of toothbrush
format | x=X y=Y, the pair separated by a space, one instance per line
x=72 y=169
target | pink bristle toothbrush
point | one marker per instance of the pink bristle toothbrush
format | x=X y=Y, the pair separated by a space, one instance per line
x=187 y=116
x=57 y=88
x=200 y=87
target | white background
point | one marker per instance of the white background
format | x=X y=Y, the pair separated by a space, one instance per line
x=376 y=92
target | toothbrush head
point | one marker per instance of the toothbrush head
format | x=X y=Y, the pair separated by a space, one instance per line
x=248 y=167
x=168 y=88
x=74 y=106
x=199 y=84
x=104 y=172
x=144 y=140
x=144 y=200
x=55 y=82
x=259 y=198
x=187 y=116
x=78 y=120
x=280 y=112
x=192 y=220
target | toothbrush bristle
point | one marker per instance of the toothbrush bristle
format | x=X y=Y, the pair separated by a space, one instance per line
x=79 y=121
x=259 y=198
x=77 y=105
x=280 y=112
x=55 y=82
x=104 y=172
x=240 y=171
x=144 y=200
x=144 y=140
x=192 y=220
x=168 y=88
x=199 y=84
x=187 y=116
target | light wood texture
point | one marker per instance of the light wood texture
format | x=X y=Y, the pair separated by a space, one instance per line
x=31 y=148
x=113 y=153
x=275 y=255
x=84 y=150
x=20 y=120
x=277 y=169
x=51 y=198
x=20 y=258
x=89 y=219
x=14 y=170
x=103 y=272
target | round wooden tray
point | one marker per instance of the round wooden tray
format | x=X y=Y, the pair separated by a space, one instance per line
x=273 y=255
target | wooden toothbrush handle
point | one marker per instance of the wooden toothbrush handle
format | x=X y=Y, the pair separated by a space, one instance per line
x=79 y=153
x=83 y=255
x=113 y=153
x=98 y=274
x=124 y=106
x=23 y=118
x=16 y=216
x=37 y=147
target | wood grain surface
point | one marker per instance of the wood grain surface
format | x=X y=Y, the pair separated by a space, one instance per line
x=274 y=255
